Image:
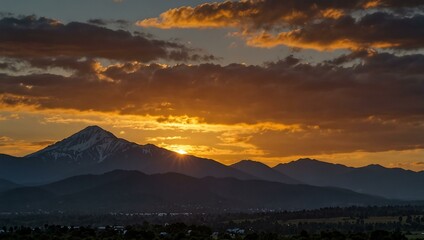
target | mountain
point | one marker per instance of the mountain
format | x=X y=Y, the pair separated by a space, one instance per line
x=7 y=185
x=95 y=150
x=262 y=171
x=23 y=170
x=91 y=145
x=393 y=183
x=311 y=171
x=134 y=191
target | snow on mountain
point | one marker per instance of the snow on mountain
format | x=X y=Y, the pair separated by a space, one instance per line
x=94 y=150
x=92 y=143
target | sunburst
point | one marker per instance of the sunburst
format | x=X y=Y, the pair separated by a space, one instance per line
x=181 y=151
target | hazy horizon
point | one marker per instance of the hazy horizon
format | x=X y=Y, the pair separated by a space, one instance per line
x=183 y=152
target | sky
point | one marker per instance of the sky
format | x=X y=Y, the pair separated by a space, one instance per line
x=268 y=80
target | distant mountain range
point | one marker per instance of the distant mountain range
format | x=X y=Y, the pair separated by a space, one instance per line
x=90 y=159
x=120 y=190
x=262 y=171
x=394 y=183
x=6 y=185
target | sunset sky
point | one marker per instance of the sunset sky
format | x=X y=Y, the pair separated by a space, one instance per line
x=270 y=80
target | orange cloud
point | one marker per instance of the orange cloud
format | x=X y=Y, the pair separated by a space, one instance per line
x=371 y=31
x=372 y=4
x=294 y=39
x=207 y=15
x=270 y=142
x=18 y=146
x=320 y=25
x=261 y=13
x=332 y=13
x=280 y=109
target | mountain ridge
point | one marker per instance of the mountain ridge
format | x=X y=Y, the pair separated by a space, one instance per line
x=130 y=191
x=7 y=185
x=94 y=150
x=373 y=179
x=262 y=171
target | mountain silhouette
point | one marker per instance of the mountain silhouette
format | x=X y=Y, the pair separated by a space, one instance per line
x=6 y=185
x=262 y=171
x=374 y=179
x=121 y=190
x=312 y=171
x=94 y=150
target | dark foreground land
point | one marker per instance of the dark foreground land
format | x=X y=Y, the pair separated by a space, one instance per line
x=376 y=223
x=179 y=231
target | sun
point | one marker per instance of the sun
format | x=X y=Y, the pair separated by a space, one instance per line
x=181 y=151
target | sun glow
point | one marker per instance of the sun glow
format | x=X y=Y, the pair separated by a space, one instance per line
x=181 y=151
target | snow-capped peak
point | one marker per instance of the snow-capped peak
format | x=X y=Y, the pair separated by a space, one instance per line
x=92 y=142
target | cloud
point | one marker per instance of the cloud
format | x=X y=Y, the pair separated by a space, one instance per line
x=32 y=37
x=283 y=108
x=314 y=24
x=194 y=135
x=98 y=21
x=288 y=89
x=16 y=146
x=264 y=13
x=209 y=151
x=377 y=30
x=104 y=22
x=158 y=139
x=233 y=14
x=9 y=116
x=216 y=141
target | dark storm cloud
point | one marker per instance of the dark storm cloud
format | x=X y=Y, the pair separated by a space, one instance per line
x=31 y=37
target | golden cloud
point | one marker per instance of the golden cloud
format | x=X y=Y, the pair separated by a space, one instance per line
x=279 y=109
x=208 y=15
x=261 y=13
x=320 y=25
x=18 y=146
x=269 y=142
